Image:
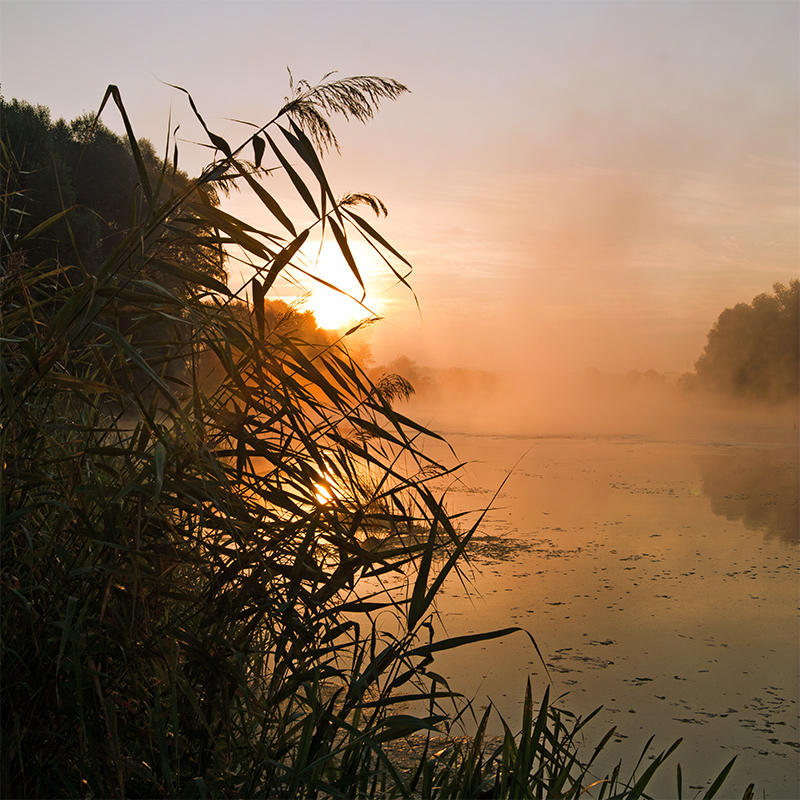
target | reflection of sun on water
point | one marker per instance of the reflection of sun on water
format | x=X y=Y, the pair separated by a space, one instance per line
x=334 y=310
x=327 y=488
x=323 y=493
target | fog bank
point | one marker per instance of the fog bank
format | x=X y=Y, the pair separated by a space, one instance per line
x=590 y=403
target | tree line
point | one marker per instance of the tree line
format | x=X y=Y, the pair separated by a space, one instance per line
x=84 y=167
x=753 y=349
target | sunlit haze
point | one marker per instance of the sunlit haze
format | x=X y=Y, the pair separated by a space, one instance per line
x=557 y=452
x=579 y=184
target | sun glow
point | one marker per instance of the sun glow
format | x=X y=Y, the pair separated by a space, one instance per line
x=334 y=311
x=338 y=310
x=323 y=493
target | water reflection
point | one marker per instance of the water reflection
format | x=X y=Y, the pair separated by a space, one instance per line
x=760 y=487
x=615 y=553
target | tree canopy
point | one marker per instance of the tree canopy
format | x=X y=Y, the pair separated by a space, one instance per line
x=84 y=166
x=753 y=350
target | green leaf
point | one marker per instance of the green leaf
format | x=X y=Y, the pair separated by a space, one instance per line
x=402 y=725
x=193 y=276
x=344 y=247
x=66 y=628
x=460 y=641
x=220 y=143
x=418 y=605
x=237 y=231
x=305 y=149
x=266 y=198
x=42 y=226
x=217 y=141
x=719 y=780
x=372 y=233
x=144 y=178
x=299 y=185
x=641 y=784
x=78 y=384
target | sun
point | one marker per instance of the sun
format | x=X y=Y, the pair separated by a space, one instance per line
x=333 y=310
x=336 y=310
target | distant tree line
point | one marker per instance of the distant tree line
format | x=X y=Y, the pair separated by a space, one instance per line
x=442 y=384
x=753 y=350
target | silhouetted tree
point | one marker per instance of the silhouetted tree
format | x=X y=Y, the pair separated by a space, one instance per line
x=86 y=172
x=86 y=167
x=753 y=351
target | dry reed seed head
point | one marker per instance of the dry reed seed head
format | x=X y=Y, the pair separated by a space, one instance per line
x=357 y=98
x=359 y=198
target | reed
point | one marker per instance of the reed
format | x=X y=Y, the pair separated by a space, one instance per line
x=184 y=614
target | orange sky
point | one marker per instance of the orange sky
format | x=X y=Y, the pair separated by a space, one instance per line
x=588 y=183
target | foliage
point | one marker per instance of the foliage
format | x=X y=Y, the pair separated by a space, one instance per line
x=753 y=351
x=87 y=168
x=220 y=548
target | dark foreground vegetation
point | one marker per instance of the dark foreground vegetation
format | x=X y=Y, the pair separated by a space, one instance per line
x=220 y=551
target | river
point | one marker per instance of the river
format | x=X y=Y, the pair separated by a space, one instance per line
x=659 y=577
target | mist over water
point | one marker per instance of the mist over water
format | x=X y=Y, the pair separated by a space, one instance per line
x=648 y=539
x=589 y=403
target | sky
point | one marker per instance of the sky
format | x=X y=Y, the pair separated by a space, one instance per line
x=578 y=184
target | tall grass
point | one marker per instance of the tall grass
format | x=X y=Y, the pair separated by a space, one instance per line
x=184 y=610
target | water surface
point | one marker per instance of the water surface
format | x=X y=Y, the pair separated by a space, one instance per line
x=659 y=579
